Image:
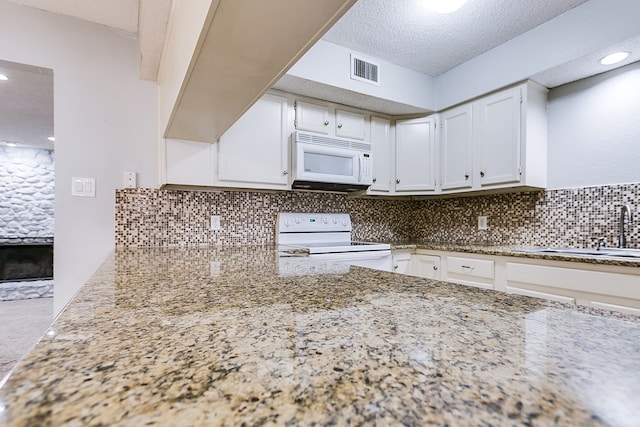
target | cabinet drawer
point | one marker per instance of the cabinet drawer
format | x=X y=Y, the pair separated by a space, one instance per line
x=470 y=267
x=469 y=271
x=596 y=282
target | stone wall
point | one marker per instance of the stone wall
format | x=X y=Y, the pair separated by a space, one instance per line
x=26 y=193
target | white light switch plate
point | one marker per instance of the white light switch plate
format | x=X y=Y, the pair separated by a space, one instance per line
x=482 y=223
x=83 y=187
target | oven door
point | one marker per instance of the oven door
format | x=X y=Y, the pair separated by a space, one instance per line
x=377 y=260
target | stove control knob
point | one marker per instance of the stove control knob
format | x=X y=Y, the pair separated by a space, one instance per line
x=297 y=220
x=325 y=220
x=335 y=220
x=344 y=222
x=287 y=223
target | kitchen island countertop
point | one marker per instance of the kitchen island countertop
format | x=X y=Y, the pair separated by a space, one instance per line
x=217 y=336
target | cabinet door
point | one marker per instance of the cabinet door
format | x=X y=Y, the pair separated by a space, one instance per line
x=456 y=148
x=401 y=262
x=189 y=162
x=427 y=266
x=312 y=117
x=350 y=124
x=415 y=154
x=381 y=146
x=254 y=150
x=499 y=137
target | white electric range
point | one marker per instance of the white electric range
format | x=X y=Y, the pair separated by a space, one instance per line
x=325 y=237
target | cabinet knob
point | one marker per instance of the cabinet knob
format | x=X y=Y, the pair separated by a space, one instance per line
x=395 y=267
x=397 y=181
x=340 y=126
x=284 y=172
x=374 y=179
x=466 y=176
x=482 y=174
x=326 y=122
x=435 y=267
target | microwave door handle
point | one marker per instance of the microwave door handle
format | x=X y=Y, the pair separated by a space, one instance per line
x=359 y=167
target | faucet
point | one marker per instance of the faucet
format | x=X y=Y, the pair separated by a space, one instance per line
x=624 y=212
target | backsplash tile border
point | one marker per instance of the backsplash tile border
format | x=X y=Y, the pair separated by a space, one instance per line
x=563 y=217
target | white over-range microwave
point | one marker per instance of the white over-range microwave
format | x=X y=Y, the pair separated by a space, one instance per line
x=321 y=162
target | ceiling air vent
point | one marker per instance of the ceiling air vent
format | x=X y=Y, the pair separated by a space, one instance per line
x=364 y=70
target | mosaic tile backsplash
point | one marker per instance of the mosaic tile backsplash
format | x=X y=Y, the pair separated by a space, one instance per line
x=566 y=217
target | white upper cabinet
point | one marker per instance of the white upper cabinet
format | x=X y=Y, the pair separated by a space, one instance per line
x=189 y=162
x=350 y=124
x=312 y=117
x=498 y=137
x=381 y=152
x=456 y=148
x=416 y=155
x=254 y=152
x=495 y=142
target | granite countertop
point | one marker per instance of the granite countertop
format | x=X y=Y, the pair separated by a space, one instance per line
x=516 y=251
x=212 y=336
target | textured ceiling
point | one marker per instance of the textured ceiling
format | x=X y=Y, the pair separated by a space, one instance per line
x=406 y=33
x=119 y=14
x=147 y=19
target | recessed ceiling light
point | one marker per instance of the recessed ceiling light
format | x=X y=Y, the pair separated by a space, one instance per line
x=614 y=58
x=11 y=144
x=52 y=138
x=3 y=77
x=445 y=6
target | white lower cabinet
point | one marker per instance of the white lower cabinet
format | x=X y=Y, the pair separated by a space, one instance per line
x=615 y=288
x=607 y=287
x=401 y=261
x=427 y=266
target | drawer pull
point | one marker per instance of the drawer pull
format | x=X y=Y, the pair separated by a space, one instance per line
x=468 y=266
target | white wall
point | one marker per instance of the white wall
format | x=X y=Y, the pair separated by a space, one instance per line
x=105 y=123
x=330 y=64
x=594 y=130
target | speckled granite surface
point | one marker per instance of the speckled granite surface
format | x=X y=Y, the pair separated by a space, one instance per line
x=218 y=337
x=514 y=251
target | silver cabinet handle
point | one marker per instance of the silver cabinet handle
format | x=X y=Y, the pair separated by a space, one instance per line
x=435 y=267
x=284 y=172
x=397 y=181
x=466 y=176
x=482 y=174
x=374 y=179
x=468 y=266
x=326 y=122
x=340 y=126
x=395 y=267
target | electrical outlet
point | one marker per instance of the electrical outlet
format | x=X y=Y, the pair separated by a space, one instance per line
x=215 y=222
x=215 y=269
x=482 y=223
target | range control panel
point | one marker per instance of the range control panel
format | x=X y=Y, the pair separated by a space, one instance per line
x=292 y=222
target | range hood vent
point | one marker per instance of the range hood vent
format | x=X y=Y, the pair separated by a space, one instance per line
x=364 y=70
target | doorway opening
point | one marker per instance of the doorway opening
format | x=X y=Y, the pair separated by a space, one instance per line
x=27 y=181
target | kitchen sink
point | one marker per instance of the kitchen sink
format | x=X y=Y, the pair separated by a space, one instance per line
x=611 y=252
